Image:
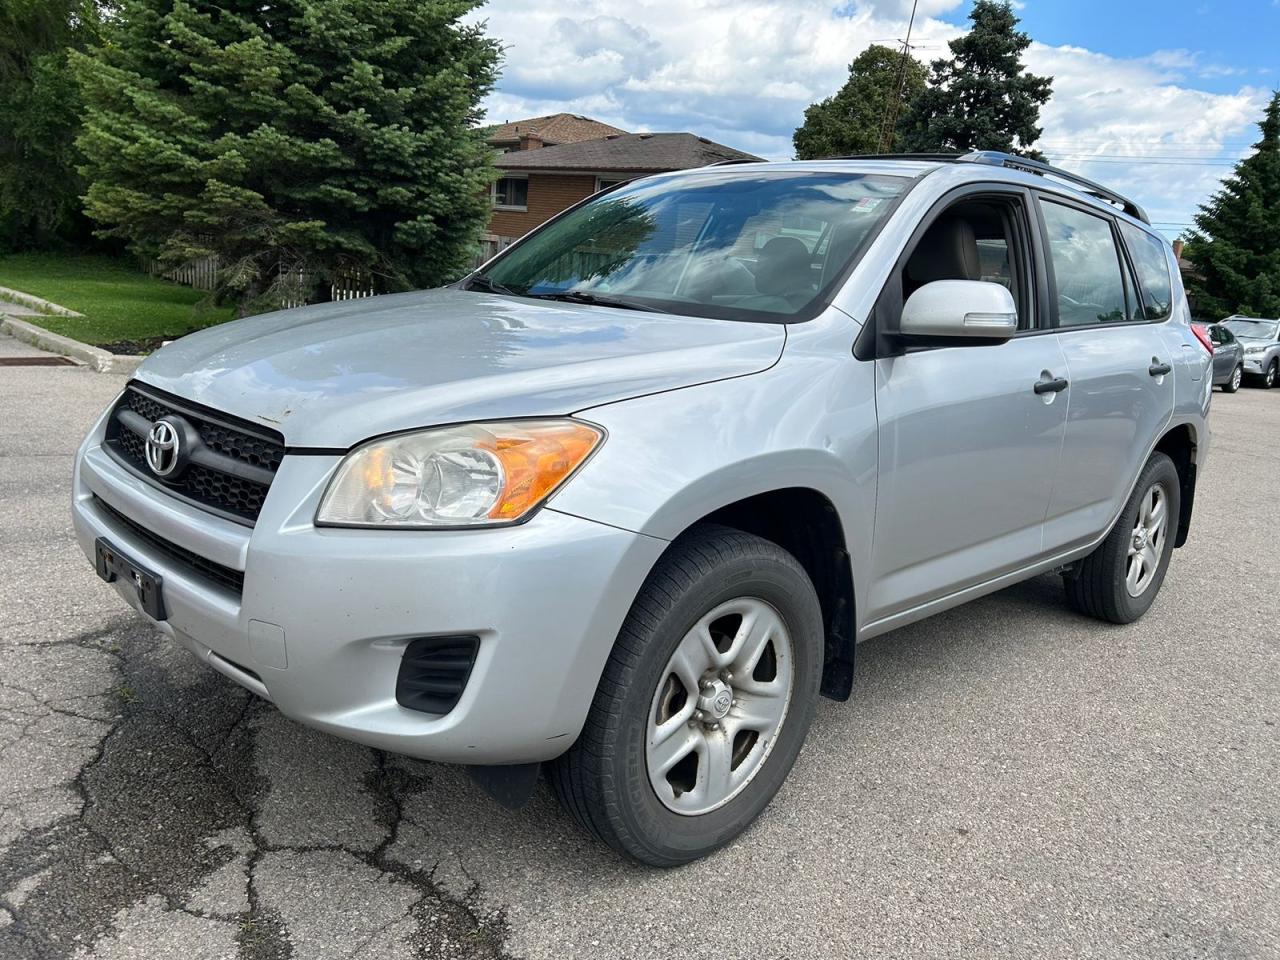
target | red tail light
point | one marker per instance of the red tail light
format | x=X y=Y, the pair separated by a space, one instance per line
x=1202 y=334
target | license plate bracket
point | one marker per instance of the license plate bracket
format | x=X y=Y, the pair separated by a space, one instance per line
x=112 y=565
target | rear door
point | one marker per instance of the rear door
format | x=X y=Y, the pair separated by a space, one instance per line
x=1120 y=366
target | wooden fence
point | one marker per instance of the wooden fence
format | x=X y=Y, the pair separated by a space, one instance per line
x=294 y=284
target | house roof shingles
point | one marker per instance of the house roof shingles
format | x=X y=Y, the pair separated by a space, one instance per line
x=638 y=152
x=555 y=128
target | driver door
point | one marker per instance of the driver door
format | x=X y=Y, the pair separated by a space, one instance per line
x=968 y=449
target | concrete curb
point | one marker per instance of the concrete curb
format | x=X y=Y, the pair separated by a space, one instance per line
x=35 y=303
x=103 y=361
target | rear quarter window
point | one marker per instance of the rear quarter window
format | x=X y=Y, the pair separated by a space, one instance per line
x=1153 y=271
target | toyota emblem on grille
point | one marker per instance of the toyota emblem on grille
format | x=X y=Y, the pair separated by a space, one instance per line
x=163 y=448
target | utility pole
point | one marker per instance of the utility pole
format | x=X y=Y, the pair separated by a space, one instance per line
x=889 y=128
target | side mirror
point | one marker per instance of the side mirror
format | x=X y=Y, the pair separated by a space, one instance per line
x=967 y=309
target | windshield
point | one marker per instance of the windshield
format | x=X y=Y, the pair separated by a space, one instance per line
x=1253 y=329
x=743 y=246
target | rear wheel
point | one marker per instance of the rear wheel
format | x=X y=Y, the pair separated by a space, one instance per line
x=1234 y=381
x=1120 y=579
x=704 y=703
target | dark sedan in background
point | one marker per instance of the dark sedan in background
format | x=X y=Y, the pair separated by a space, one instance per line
x=1228 y=358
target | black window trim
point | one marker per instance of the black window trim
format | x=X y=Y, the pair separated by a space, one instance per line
x=875 y=342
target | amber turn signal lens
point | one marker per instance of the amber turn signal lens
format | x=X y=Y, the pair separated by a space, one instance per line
x=536 y=458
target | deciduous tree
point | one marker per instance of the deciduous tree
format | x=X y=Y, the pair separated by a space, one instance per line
x=39 y=119
x=851 y=120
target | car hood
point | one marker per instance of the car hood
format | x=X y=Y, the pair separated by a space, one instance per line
x=334 y=374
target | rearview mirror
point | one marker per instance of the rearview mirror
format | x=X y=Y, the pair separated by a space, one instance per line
x=969 y=309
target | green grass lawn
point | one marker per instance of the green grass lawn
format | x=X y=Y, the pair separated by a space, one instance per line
x=120 y=303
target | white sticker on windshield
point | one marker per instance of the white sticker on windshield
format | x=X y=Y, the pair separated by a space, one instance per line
x=868 y=203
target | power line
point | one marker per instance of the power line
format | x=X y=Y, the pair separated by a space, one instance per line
x=890 y=125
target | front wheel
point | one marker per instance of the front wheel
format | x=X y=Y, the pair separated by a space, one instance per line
x=1271 y=376
x=1120 y=579
x=704 y=703
x=1234 y=381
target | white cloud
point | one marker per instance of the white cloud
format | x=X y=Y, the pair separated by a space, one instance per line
x=742 y=72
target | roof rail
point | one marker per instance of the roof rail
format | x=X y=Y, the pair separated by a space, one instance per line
x=997 y=159
x=1010 y=161
x=725 y=163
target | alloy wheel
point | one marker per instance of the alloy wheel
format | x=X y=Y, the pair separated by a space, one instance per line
x=1236 y=377
x=719 y=706
x=1146 y=544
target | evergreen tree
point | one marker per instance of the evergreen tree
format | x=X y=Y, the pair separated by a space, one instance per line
x=39 y=119
x=851 y=120
x=1235 y=250
x=982 y=98
x=291 y=138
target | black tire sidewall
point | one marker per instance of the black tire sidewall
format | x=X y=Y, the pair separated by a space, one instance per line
x=1158 y=469
x=668 y=837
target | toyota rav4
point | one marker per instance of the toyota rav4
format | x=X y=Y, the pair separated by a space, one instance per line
x=622 y=503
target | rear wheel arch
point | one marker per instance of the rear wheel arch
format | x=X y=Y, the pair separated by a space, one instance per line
x=1180 y=445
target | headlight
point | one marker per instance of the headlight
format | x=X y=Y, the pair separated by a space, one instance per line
x=1256 y=349
x=477 y=474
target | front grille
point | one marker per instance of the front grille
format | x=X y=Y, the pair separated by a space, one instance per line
x=434 y=672
x=191 y=563
x=228 y=472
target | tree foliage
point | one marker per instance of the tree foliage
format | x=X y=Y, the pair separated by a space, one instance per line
x=1235 y=248
x=851 y=120
x=291 y=138
x=982 y=98
x=39 y=118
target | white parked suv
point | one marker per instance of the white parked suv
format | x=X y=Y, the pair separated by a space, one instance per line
x=623 y=502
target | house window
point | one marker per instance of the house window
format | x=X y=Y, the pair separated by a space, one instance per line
x=511 y=193
x=604 y=183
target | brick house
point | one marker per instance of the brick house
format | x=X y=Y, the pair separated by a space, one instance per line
x=538 y=179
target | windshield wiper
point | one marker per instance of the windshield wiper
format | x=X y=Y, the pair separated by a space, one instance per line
x=481 y=282
x=597 y=300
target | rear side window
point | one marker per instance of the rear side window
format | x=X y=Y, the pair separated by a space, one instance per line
x=1153 y=271
x=1091 y=285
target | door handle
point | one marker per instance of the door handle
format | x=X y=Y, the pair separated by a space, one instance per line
x=1050 y=386
x=1158 y=369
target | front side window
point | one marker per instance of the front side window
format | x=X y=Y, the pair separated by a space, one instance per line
x=1153 y=271
x=1086 y=265
x=511 y=192
x=736 y=245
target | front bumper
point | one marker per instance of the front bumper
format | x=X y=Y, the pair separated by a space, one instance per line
x=1254 y=365
x=325 y=614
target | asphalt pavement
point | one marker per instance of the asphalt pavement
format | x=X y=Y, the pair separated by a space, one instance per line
x=1009 y=780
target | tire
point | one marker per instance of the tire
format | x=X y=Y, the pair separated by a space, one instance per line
x=1101 y=587
x=1271 y=376
x=609 y=780
x=1234 y=381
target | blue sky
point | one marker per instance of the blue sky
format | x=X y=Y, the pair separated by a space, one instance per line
x=1154 y=99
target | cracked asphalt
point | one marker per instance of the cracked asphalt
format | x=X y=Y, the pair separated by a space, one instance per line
x=1010 y=780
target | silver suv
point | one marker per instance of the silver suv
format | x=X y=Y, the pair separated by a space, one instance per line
x=1261 y=342
x=624 y=501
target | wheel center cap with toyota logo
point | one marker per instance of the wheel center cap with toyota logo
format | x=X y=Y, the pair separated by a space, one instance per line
x=165 y=453
x=715 y=700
